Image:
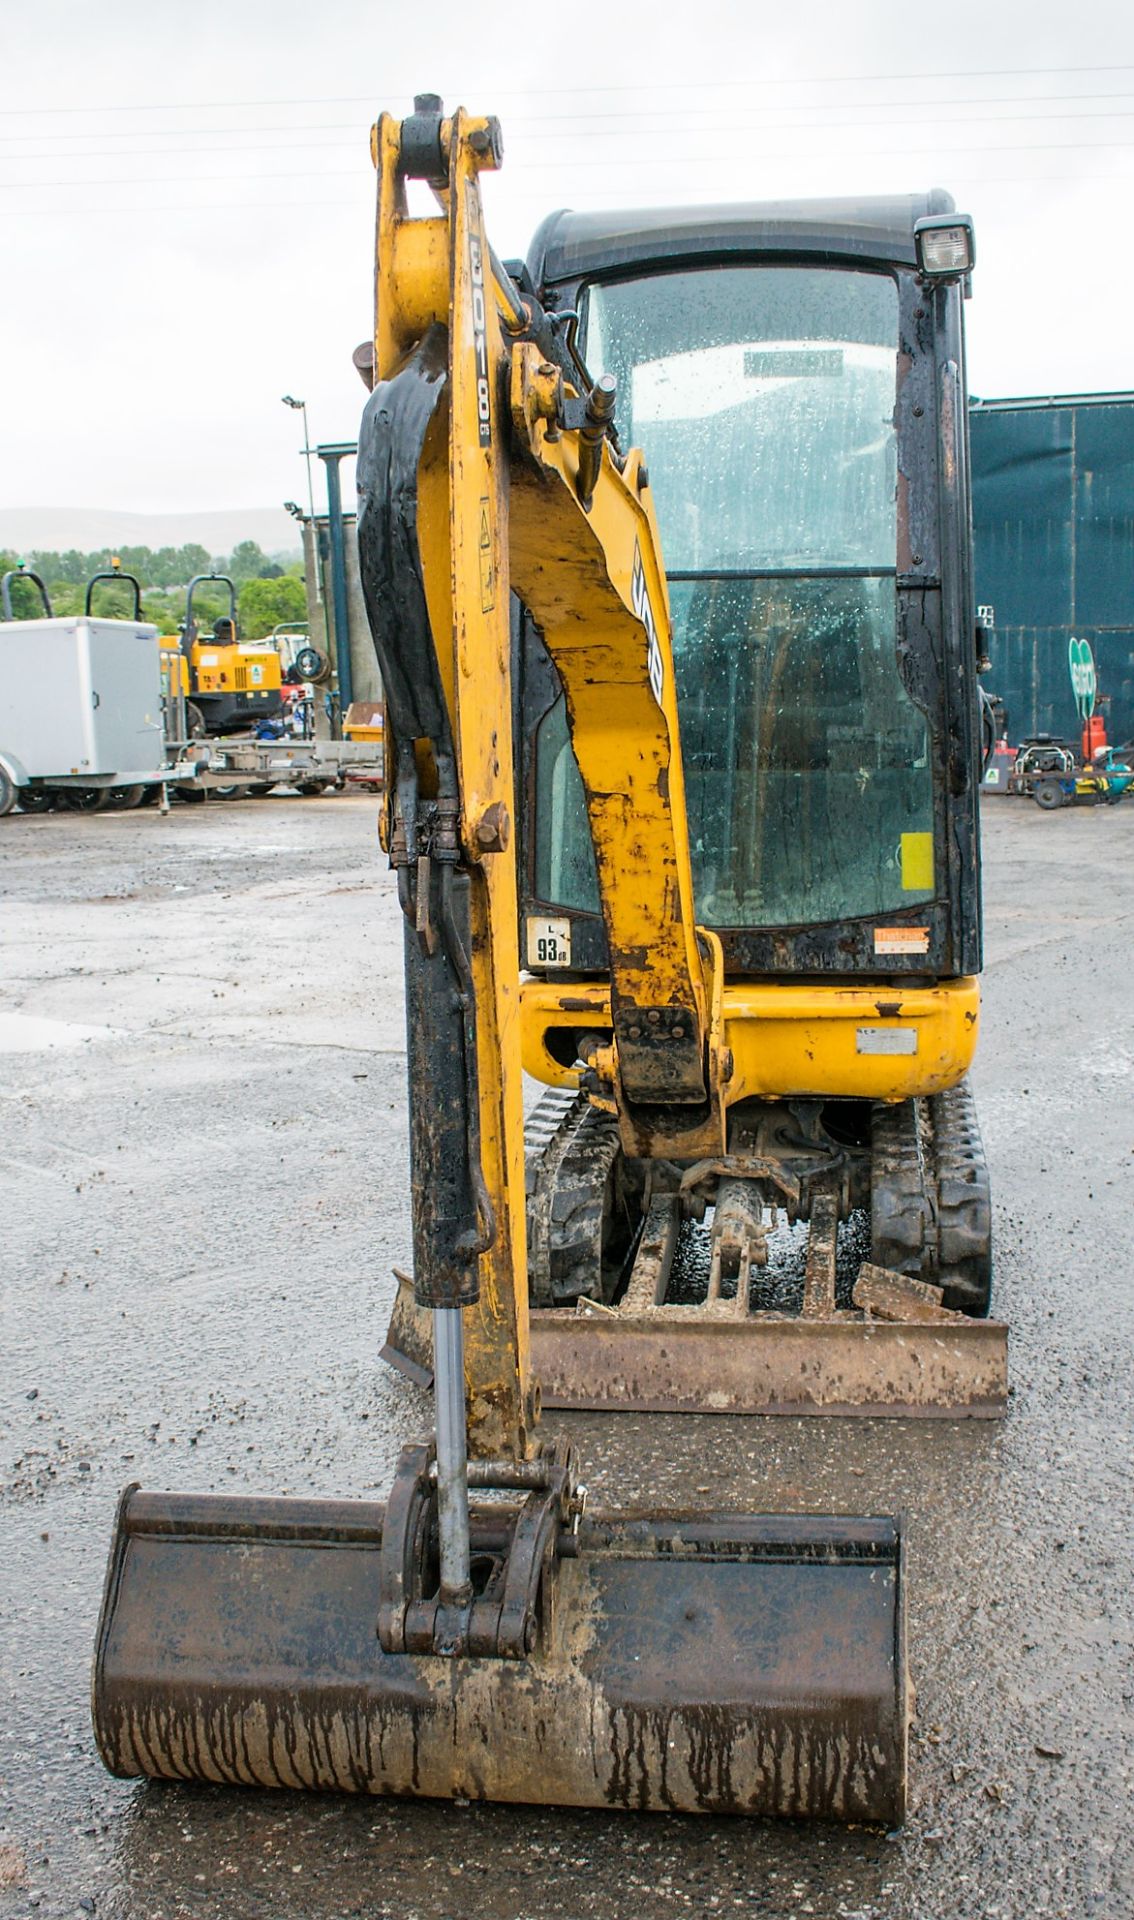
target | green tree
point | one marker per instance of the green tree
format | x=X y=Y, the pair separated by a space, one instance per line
x=248 y=561
x=209 y=606
x=265 y=604
x=188 y=562
x=158 y=570
x=67 y=599
x=163 y=610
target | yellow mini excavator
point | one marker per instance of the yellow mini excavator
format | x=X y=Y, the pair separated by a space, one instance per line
x=738 y=1114
x=746 y=880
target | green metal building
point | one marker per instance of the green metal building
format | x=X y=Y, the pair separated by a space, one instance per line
x=1053 y=523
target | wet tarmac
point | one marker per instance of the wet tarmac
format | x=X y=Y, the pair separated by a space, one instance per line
x=204 y=1190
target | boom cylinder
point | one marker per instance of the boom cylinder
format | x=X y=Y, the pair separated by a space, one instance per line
x=597 y=418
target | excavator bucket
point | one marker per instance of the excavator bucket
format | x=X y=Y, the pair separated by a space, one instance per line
x=720 y=1663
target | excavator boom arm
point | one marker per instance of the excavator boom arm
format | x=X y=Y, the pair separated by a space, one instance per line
x=483 y=469
x=585 y=556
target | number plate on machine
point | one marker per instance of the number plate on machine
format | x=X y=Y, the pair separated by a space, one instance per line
x=549 y=942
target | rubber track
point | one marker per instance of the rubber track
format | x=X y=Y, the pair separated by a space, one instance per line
x=964 y=1202
x=931 y=1214
x=570 y=1148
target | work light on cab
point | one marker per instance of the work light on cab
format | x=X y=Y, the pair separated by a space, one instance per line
x=946 y=247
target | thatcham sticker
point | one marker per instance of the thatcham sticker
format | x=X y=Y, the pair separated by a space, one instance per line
x=901 y=940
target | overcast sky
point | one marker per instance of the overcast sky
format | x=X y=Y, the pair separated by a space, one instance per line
x=186 y=196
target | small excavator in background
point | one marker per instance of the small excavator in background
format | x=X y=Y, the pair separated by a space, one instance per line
x=739 y=835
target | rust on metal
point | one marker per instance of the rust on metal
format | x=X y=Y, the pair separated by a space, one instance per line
x=738 y=1241
x=677 y=1360
x=822 y=1243
x=899 y=1296
x=409 y=1339
x=720 y=1663
x=672 y=1359
x=649 y=1276
x=499 y=1614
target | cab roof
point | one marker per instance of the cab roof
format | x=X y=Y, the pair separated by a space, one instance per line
x=575 y=246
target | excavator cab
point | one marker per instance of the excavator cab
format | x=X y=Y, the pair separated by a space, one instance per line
x=797 y=380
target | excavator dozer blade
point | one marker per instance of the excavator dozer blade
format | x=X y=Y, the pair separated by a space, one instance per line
x=728 y=1663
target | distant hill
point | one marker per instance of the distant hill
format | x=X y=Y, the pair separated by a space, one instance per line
x=56 y=529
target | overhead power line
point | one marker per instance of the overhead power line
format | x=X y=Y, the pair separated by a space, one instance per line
x=502 y=93
x=684 y=160
x=615 y=133
x=358 y=126
x=580 y=203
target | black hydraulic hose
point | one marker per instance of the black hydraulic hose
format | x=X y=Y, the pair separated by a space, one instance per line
x=473 y=1245
x=516 y=314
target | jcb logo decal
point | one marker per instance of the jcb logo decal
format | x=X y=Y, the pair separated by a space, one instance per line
x=480 y=338
x=640 y=601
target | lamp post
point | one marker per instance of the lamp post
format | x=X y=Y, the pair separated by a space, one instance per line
x=300 y=406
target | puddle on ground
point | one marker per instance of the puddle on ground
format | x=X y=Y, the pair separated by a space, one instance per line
x=29 y=1033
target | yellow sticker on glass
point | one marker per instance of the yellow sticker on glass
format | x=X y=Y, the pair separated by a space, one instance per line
x=917 y=863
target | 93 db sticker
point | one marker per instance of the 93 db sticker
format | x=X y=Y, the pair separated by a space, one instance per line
x=549 y=942
x=640 y=601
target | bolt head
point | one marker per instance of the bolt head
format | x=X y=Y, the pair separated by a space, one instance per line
x=493 y=829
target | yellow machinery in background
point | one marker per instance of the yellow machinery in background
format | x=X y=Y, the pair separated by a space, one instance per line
x=175 y=680
x=226 y=686
x=364 y=720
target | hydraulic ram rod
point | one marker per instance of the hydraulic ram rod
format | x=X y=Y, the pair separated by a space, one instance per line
x=452 y=1457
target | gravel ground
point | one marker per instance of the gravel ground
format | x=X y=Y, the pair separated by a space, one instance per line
x=204 y=1184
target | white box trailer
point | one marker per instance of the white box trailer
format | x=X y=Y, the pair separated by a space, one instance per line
x=91 y=706
x=80 y=703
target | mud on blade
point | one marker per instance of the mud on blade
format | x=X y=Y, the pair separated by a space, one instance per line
x=717 y=1664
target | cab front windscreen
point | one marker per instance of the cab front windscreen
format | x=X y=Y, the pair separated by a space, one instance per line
x=764 y=400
